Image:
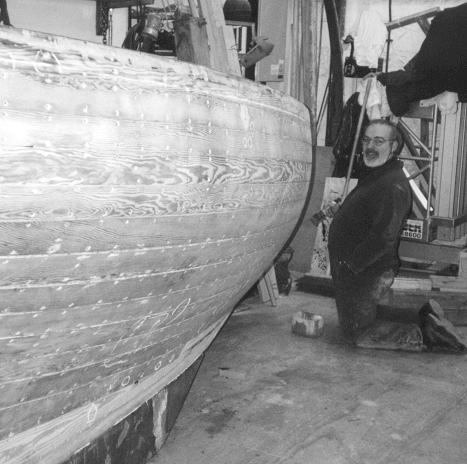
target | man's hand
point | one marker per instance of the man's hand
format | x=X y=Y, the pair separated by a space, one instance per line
x=346 y=268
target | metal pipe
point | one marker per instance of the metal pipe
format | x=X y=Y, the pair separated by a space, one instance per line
x=417 y=158
x=110 y=30
x=415 y=136
x=357 y=136
x=434 y=133
x=418 y=173
x=416 y=189
x=460 y=168
x=319 y=48
x=323 y=106
x=389 y=37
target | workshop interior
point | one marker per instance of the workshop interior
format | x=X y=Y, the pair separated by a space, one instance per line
x=233 y=231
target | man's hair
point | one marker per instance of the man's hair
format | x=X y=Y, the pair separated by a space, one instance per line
x=395 y=133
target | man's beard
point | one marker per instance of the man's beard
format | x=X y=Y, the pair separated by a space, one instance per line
x=370 y=156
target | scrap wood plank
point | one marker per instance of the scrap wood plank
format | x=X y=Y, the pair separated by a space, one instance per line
x=267 y=287
x=463 y=264
x=312 y=280
x=412 y=283
x=454 y=304
x=449 y=283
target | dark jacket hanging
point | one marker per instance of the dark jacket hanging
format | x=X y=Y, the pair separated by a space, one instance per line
x=439 y=65
x=342 y=149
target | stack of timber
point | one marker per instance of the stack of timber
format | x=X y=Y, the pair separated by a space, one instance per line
x=449 y=292
x=409 y=293
x=140 y=198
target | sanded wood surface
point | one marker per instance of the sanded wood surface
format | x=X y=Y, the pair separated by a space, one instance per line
x=140 y=198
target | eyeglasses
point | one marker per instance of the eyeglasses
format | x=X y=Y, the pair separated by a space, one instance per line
x=378 y=141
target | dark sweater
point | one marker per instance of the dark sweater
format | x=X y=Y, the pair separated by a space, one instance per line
x=366 y=229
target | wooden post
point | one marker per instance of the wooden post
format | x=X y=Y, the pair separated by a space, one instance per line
x=301 y=52
x=194 y=8
x=288 y=61
x=293 y=49
x=222 y=47
x=191 y=39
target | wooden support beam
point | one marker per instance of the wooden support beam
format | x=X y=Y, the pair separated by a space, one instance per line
x=222 y=47
x=289 y=65
x=194 y=8
x=191 y=39
x=301 y=53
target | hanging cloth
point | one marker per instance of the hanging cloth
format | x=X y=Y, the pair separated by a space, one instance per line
x=370 y=39
x=377 y=106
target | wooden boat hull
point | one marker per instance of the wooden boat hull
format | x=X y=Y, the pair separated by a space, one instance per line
x=140 y=198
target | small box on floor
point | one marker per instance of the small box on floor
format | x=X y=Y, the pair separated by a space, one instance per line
x=307 y=324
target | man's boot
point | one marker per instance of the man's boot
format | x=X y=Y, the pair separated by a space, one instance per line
x=386 y=335
x=438 y=333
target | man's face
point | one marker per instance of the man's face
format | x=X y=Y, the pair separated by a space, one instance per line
x=378 y=145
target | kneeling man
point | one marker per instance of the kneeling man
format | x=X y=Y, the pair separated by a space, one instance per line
x=363 y=250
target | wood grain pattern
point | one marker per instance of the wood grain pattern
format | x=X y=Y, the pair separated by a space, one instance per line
x=94 y=418
x=105 y=234
x=62 y=267
x=140 y=198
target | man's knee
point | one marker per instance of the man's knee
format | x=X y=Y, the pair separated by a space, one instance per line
x=357 y=301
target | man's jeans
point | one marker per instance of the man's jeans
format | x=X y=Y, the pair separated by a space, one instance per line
x=357 y=297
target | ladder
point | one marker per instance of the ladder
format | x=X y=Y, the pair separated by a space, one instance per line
x=421 y=152
x=440 y=231
x=424 y=156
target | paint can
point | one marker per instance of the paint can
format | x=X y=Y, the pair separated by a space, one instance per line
x=307 y=324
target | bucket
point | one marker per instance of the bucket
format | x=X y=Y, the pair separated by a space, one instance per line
x=307 y=324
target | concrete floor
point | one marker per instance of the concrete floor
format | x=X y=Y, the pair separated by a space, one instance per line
x=264 y=395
